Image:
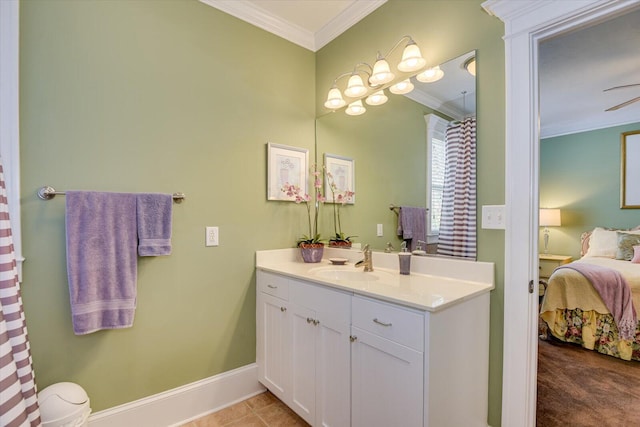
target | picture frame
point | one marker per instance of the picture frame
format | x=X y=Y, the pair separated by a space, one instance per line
x=286 y=165
x=630 y=170
x=343 y=171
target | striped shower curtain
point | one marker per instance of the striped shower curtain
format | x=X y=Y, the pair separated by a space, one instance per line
x=458 y=221
x=19 y=403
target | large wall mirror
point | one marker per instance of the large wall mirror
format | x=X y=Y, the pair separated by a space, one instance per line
x=390 y=144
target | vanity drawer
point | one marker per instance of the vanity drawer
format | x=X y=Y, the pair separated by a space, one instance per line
x=272 y=284
x=401 y=325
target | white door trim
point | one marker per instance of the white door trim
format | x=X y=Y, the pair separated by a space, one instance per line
x=526 y=24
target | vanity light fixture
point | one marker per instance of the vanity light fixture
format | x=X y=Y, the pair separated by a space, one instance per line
x=335 y=99
x=377 y=98
x=430 y=75
x=355 y=87
x=400 y=88
x=355 y=108
x=378 y=78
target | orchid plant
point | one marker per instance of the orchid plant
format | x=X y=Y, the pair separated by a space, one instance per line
x=340 y=198
x=300 y=197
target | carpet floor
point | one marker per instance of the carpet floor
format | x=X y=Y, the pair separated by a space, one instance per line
x=583 y=388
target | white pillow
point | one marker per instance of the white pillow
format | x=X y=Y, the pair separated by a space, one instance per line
x=604 y=243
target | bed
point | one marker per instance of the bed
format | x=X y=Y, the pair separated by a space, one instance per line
x=573 y=311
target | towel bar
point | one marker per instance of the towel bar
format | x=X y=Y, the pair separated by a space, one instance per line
x=396 y=209
x=48 y=193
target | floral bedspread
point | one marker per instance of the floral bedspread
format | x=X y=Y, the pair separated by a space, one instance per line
x=591 y=330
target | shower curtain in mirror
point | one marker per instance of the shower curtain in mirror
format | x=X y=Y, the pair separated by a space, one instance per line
x=458 y=221
x=19 y=403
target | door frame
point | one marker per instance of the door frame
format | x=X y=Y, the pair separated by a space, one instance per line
x=526 y=25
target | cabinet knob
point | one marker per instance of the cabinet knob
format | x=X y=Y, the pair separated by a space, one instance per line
x=309 y=320
x=353 y=338
x=283 y=309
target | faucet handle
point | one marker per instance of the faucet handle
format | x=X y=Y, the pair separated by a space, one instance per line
x=366 y=248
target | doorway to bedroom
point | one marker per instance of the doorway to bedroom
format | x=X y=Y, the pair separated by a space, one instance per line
x=580 y=161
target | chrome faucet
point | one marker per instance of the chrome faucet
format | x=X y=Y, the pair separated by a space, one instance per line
x=367 y=262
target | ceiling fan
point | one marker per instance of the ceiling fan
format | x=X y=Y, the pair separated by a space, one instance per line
x=624 y=104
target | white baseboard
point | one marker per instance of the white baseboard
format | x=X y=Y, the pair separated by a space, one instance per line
x=183 y=404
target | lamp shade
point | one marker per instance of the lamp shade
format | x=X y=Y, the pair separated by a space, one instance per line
x=377 y=98
x=430 y=75
x=355 y=108
x=381 y=73
x=550 y=218
x=334 y=99
x=355 y=87
x=412 y=59
x=402 y=87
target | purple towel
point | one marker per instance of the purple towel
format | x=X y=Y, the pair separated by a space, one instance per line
x=101 y=259
x=154 y=224
x=615 y=294
x=412 y=225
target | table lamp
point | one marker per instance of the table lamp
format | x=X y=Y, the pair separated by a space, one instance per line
x=549 y=218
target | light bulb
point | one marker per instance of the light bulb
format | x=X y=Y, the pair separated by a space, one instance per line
x=355 y=108
x=402 y=87
x=430 y=75
x=377 y=98
x=412 y=59
x=355 y=87
x=334 y=99
x=381 y=73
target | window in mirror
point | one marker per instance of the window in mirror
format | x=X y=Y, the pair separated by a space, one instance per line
x=436 y=129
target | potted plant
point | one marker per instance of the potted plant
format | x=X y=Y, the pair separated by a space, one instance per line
x=311 y=245
x=340 y=198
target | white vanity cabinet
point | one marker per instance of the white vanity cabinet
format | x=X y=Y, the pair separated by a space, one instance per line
x=387 y=365
x=345 y=356
x=308 y=363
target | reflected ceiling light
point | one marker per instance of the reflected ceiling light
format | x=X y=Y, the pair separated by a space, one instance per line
x=334 y=99
x=355 y=108
x=368 y=83
x=430 y=75
x=402 y=87
x=355 y=87
x=381 y=73
x=470 y=65
x=377 y=98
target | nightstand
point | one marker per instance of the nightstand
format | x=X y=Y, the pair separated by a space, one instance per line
x=547 y=263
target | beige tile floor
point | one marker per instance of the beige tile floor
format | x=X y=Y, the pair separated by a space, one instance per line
x=263 y=410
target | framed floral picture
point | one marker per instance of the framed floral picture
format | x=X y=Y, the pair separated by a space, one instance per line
x=340 y=179
x=286 y=166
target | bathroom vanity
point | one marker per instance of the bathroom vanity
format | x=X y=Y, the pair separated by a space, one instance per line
x=343 y=347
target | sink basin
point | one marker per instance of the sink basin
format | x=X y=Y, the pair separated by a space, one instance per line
x=349 y=275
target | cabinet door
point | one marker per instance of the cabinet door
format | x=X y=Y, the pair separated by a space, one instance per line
x=303 y=362
x=333 y=373
x=387 y=382
x=273 y=343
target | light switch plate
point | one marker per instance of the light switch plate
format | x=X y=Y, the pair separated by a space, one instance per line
x=211 y=236
x=493 y=217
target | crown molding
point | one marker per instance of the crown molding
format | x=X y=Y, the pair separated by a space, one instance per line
x=261 y=18
x=348 y=18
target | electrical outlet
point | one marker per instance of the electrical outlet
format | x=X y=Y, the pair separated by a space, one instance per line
x=211 y=236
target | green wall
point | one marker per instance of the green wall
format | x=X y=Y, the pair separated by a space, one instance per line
x=177 y=96
x=443 y=30
x=156 y=96
x=580 y=174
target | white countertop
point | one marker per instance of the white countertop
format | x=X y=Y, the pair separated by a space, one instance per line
x=434 y=283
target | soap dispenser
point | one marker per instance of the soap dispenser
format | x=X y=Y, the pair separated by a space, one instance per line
x=404 y=257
